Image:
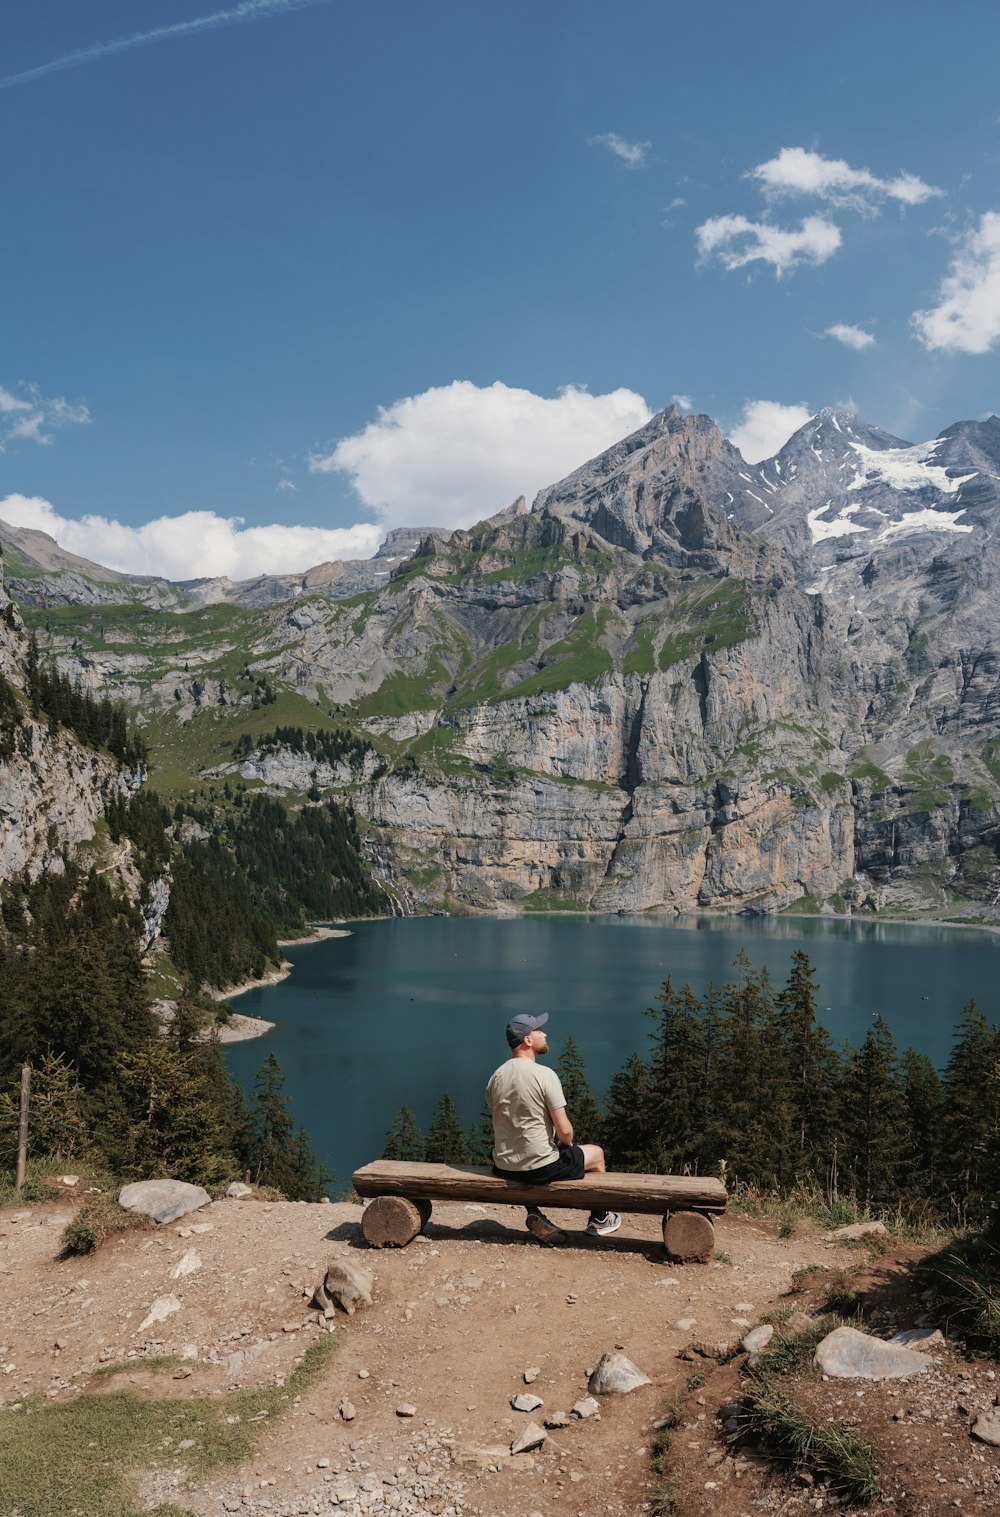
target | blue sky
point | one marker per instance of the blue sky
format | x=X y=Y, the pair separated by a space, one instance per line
x=279 y=274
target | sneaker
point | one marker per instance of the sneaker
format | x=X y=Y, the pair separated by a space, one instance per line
x=545 y=1231
x=600 y=1227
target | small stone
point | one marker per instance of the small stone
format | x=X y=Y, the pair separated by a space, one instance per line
x=757 y=1338
x=529 y=1403
x=290 y=1327
x=238 y=1191
x=187 y=1264
x=558 y=1419
x=925 y=1338
x=186 y=1443
x=183 y=1373
x=362 y=1374
x=406 y=1409
x=686 y=1324
x=531 y=1437
x=347 y=1411
x=69 y=1180
x=586 y=1407
x=743 y=1306
x=162 y=1308
x=616 y=1375
x=532 y=1374
x=322 y=1464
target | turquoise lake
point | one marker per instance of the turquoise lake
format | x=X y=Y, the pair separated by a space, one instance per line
x=403 y=1010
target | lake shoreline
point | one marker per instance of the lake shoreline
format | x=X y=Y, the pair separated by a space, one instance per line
x=241 y=1028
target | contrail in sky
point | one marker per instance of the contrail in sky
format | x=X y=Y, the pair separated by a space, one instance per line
x=247 y=10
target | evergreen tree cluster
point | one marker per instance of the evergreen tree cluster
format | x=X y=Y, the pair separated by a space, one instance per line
x=271 y=871
x=329 y=745
x=108 y=1083
x=745 y=1081
x=95 y=723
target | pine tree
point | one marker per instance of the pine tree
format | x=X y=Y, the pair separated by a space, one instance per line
x=807 y=1068
x=583 y=1110
x=874 y=1119
x=970 y=1116
x=922 y=1090
x=480 y=1140
x=275 y=1153
x=626 y=1129
x=404 y=1141
x=445 y=1136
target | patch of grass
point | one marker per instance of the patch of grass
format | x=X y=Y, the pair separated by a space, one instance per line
x=97 y=1220
x=966 y=1276
x=828 y=1449
x=38 y=1182
x=148 y=1362
x=840 y=1296
x=865 y=769
x=640 y=658
x=406 y=691
x=101 y=1440
x=579 y=658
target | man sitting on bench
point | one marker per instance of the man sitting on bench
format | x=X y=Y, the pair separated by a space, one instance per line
x=532 y=1133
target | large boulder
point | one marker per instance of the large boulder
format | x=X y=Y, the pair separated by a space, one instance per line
x=846 y=1354
x=163 y=1200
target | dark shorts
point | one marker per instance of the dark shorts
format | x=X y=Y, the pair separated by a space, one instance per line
x=569 y=1165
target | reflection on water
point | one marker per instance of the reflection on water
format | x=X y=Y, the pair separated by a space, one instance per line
x=401 y=1011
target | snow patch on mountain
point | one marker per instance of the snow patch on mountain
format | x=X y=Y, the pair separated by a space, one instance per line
x=905 y=469
x=840 y=526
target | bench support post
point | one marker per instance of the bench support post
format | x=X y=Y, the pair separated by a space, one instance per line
x=394 y=1221
x=688 y=1237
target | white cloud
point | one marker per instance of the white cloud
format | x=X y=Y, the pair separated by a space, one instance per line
x=26 y=415
x=796 y=171
x=737 y=242
x=765 y=427
x=852 y=337
x=193 y=545
x=632 y=153
x=967 y=316
x=457 y=453
x=683 y=402
x=287 y=484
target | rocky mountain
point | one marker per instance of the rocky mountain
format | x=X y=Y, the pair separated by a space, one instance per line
x=677 y=680
x=41 y=573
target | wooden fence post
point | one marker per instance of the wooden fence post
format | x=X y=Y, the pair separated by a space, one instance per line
x=22 y=1131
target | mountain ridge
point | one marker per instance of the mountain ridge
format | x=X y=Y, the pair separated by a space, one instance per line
x=677 y=680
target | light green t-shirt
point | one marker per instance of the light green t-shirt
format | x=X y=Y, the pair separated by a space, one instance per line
x=521 y=1096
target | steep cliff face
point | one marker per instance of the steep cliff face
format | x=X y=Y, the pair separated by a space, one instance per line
x=52 y=790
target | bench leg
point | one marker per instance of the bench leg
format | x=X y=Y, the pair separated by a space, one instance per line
x=394 y=1221
x=688 y=1237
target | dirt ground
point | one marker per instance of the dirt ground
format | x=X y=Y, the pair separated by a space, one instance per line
x=430 y=1368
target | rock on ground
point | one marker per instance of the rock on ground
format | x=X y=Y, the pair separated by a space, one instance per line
x=163 y=1200
x=846 y=1354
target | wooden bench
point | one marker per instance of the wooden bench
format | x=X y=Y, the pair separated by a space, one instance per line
x=402 y=1194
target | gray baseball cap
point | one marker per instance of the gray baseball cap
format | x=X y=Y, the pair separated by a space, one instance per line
x=518 y=1027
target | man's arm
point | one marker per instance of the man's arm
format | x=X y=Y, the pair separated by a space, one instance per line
x=563 y=1126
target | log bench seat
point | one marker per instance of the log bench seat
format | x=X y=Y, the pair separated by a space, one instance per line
x=402 y=1194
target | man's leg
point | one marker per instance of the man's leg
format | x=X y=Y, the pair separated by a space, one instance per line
x=600 y=1223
